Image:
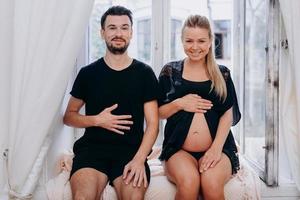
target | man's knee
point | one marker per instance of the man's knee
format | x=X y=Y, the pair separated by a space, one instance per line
x=137 y=195
x=133 y=193
x=79 y=195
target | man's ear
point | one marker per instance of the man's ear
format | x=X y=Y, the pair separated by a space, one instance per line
x=101 y=33
x=131 y=33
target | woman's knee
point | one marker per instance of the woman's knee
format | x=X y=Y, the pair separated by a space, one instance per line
x=188 y=183
x=212 y=186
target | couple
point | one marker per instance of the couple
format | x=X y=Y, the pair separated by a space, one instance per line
x=195 y=95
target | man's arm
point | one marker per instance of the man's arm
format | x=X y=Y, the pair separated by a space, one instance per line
x=135 y=168
x=151 y=131
x=72 y=116
x=104 y=119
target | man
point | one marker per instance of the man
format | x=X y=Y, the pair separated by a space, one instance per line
x=118 y=92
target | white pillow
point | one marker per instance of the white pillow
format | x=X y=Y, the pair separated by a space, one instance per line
x=159 y=189
x=243 y=185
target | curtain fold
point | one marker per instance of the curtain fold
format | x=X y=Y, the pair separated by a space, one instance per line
x=42 y=41
x=289 y=97
x=6 y=27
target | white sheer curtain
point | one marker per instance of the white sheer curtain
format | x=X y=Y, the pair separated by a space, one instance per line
x=290 y=86
x=5 y=62
x=39 y=41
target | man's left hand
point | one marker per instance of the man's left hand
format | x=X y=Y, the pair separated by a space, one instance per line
x=135 y=171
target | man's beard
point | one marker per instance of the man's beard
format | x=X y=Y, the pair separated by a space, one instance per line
x=116 y=50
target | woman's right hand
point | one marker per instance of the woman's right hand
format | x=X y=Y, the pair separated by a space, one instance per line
x=194 y=103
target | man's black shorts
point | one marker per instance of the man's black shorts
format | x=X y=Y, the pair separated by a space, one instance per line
x=109 y=162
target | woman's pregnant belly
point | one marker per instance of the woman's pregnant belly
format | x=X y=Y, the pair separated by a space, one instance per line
x=198 y=138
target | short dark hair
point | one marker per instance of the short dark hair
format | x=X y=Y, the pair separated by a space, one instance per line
x=116 y=11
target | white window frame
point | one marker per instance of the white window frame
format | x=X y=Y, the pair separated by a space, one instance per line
x=160 y=54
x=270 y=173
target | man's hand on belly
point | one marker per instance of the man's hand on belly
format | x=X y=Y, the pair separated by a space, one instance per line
x=115 y=123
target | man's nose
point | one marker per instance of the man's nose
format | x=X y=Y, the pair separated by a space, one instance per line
x=118 y=32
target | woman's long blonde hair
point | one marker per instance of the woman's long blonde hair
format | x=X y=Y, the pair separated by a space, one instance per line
x=214 y=73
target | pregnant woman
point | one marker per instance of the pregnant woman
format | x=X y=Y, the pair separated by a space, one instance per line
x=198 y=99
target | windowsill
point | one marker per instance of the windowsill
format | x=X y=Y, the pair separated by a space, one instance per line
x=289 y=191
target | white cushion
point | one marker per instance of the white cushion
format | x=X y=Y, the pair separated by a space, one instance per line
x=159 y=188
x=243 y=185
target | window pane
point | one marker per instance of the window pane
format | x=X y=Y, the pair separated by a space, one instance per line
x=144 y=40
x=222 y=31
x=219 y=12
x=180 y=10
x=255 y=79
x=176 y=48
x=140 y=45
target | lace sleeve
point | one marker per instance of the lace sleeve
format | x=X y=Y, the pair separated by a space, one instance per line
x=166 y=86
x=231 y=100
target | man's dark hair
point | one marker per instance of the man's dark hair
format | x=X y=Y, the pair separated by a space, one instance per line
x=116 y=11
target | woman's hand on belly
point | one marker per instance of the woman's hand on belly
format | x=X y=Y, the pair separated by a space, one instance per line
x=194 y=103
x=211 y=157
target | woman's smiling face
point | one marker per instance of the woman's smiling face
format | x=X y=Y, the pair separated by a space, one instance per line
x=196 y=42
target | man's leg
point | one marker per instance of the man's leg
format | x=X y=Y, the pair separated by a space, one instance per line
x=129 y=192
x=87 y=184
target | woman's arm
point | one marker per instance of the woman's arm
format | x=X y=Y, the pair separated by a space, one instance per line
x=189 y=103
x=223 y=130
x=213 y=154
x=169 y=109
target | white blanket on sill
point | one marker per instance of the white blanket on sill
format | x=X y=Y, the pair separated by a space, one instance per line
x=244 y=185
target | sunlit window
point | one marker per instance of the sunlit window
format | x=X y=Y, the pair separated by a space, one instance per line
x=176 y=46
x=144 y=40
x=140 y=46
x=255 y=76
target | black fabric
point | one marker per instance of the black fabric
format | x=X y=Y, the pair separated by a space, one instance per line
x=173 y=86
x=99 y=86
x=196 y=155
x=110 y=163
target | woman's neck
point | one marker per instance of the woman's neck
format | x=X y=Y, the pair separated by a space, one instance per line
x=201 y=64
x=195 y=71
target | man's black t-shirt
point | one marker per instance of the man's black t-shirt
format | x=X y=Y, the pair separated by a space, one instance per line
x=100 y=86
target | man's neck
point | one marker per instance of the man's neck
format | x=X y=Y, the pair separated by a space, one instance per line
x=117 y=62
